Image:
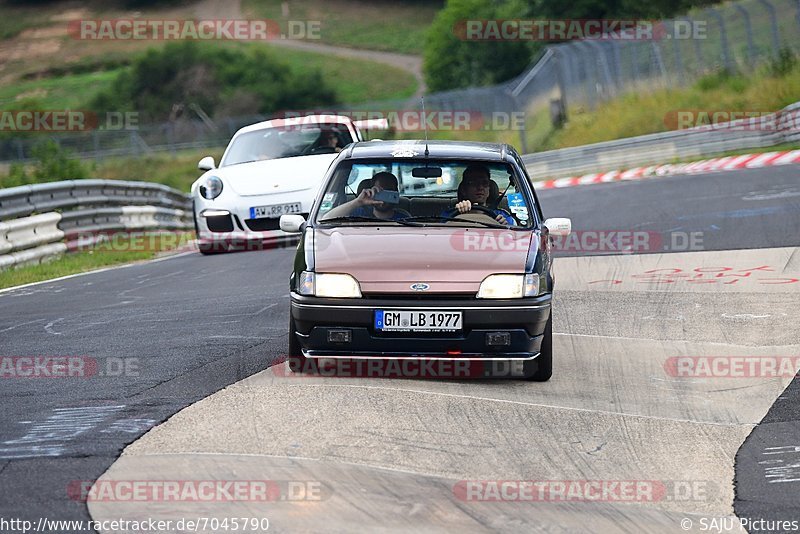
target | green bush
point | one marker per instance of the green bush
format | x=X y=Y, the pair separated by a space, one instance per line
x=723 y=79
x=53 y=163
x=784 y=63
x=162 y=82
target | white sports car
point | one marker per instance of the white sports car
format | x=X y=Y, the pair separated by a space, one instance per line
x=269 y=169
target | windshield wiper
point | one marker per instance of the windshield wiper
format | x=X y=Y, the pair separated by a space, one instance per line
x=443 y=218
x=355 y=218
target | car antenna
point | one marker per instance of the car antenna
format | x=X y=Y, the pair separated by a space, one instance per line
x=425 y=122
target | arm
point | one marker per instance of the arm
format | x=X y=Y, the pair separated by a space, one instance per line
x=363 y=199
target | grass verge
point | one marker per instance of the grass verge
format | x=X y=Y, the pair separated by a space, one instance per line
x=377 y=25
x=645 y=113
x=177 y=170
x=98 y=257
x=353 y=81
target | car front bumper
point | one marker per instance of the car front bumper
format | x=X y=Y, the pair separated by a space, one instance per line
x=523 y=320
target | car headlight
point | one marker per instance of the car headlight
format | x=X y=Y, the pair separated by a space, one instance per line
x=328 y=285
x=211 y=188
x=509 y=286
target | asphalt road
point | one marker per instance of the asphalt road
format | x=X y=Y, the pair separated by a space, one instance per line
x=191 y=325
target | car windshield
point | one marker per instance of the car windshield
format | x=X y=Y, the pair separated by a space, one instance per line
x=287 y=142
x=427 y=192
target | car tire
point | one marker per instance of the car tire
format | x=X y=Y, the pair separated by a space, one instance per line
x=297 y=362
x=541 y=369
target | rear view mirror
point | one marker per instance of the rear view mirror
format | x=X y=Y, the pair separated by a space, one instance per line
x=426 y=172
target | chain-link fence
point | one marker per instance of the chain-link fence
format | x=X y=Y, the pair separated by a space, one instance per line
x=740 y=36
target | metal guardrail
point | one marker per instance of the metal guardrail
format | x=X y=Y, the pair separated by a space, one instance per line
x=666 y=147
x=32 y=231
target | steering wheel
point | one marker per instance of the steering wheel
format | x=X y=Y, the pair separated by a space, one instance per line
x=483 y=210
x=512 y=215
x=480 y=211
x=322 y=150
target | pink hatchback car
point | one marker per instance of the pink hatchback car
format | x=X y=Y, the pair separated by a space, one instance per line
x=418 y=251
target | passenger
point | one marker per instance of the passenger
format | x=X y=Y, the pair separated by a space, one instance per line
x=475 y=188
x=365 y=206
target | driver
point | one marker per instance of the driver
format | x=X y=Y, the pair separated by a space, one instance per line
x=329 y=139
x=475 y=188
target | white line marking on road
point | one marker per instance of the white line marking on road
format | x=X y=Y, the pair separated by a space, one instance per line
x=746 y=316
x=265 y=308
x=22 y=324
x=49 y=437
x=49 y=327
x=238 y=337
x=521 y=403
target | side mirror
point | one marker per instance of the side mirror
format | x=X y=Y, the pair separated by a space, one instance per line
x=206 y=164
x=559 y=226
x=292 y=224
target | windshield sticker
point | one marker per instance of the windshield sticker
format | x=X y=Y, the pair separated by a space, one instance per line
x=327 y=202
x=516 y=203
x=402 y=152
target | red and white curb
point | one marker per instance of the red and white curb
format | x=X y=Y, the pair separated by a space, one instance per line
x=746 y=161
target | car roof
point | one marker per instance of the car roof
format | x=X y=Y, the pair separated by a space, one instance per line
x=436 y=149
x=310 y=120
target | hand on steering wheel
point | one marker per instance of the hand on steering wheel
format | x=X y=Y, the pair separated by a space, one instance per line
x=465 y=206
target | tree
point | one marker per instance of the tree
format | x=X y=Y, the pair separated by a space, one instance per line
x=209 y=76
x=453 y=60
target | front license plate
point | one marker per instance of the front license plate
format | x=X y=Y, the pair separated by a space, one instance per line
x=261 y=212
x=418 y=321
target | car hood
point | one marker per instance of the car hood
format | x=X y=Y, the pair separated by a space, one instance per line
x=388 y=259
x=282 y=175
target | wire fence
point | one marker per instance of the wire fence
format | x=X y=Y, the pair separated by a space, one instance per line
x=740 y=36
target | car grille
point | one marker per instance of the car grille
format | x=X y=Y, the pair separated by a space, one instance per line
x=220 y=223
x=262 y=225
x=419 y=296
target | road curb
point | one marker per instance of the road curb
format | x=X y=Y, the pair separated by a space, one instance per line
x=728 y=163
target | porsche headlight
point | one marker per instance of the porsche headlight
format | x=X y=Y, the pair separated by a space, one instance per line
x=328 y=285
x=211 y=188
x=509 y=286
